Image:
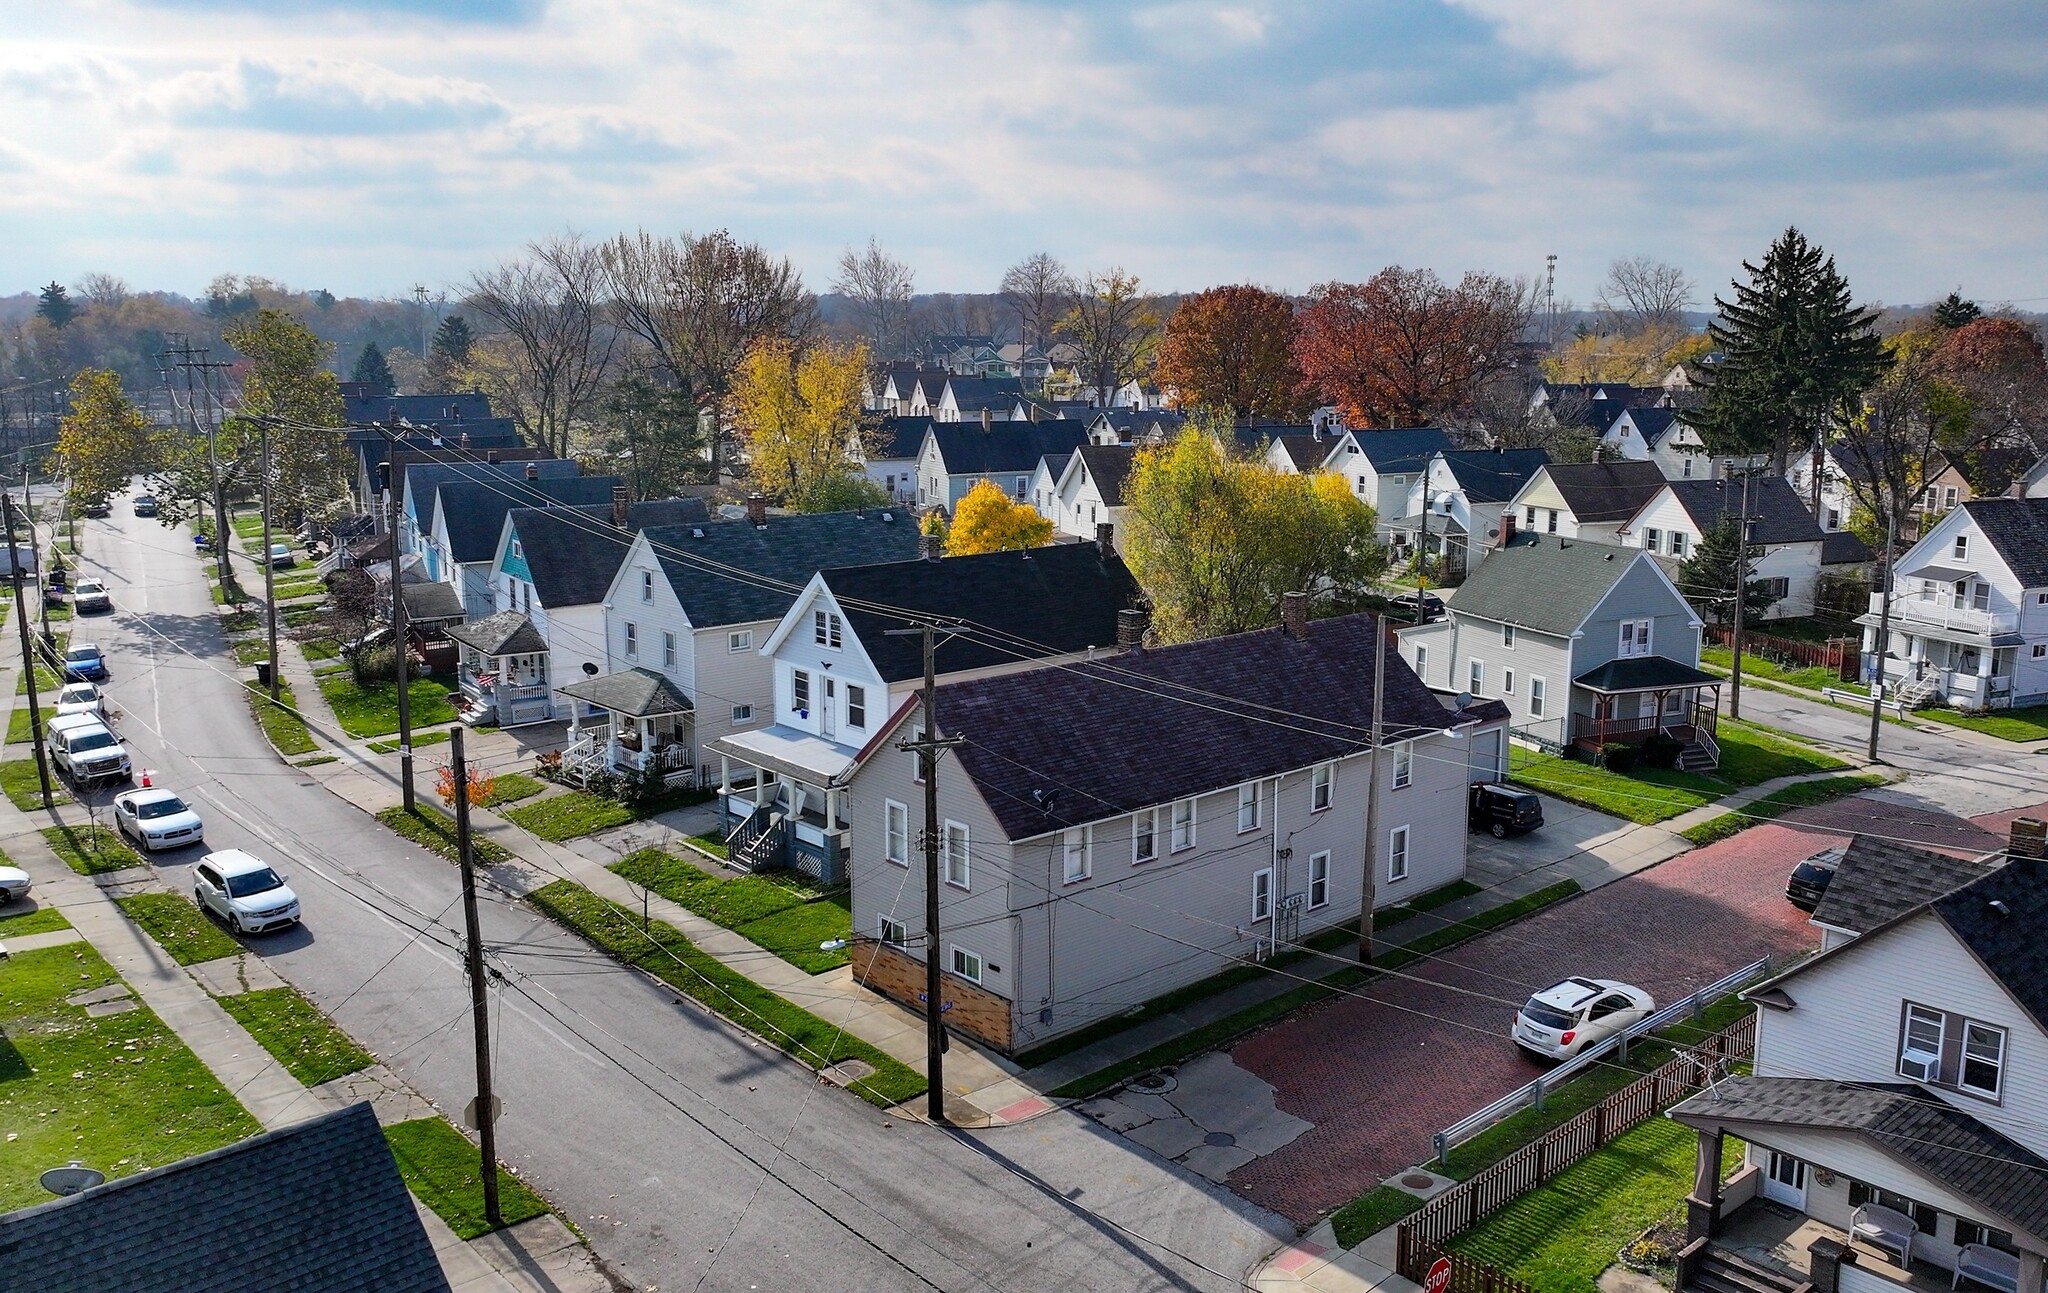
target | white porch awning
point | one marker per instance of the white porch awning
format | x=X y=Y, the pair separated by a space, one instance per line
x=789 y=752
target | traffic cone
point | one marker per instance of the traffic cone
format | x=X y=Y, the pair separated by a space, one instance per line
x=147 y=773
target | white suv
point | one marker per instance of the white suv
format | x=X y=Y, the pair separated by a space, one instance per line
x=243 y=892
x=86 y=750
x=1567 y=1017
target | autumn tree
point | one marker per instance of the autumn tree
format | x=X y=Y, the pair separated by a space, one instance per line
x=799 y=414
x=372 y=370
x=287 y=380
x=104 y=440
x=1114 y=326
x=878 y=287
x=1215 y=540
x=353 y=608
x=1232 y=348
x=550 y=368
x=1997 y=364
x=989 y=520
x=1038 y=290
x=1893 y=432
x=1405 y=349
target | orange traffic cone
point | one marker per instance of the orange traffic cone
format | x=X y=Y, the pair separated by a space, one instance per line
x=147 y=773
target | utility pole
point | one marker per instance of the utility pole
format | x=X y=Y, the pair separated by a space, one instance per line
x=1372 y=794
x=927 y=748
x=419 y=294
x=479 y=1006
x=1550 y=299
x=1741 y=596
x=187 y=364
x=28 y=658
x=269 y=566
x=401 y=657
x=1884 y=623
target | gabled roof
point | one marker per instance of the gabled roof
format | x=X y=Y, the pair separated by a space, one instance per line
x=1401 y=450
x=1136 y=729
x=1774 y=506
x=505 y=633
x=432 y=601
x=1040 y=602
x=907 y=376
x=1016 y=447
x=1911 y=1122
x=1493 y=475
x=1306 y=450
x=473 y=513
x=573 y=552
x=1605 y=491
x=1999 y=917
x=640 y=692
x=773 y=561
x=469 y=439
x=318 y=1205
x=1842 y=548
x=421 y=479
x=1542 y=582
x=901 y=436
x=1109 y=465
x=972 y=393
x=423 y=410
x=1879 y=880
x=2018 y=529
x=1137 y=424
x=1651 y=423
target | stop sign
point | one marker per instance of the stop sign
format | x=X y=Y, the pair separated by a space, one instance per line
x=1439 y=1278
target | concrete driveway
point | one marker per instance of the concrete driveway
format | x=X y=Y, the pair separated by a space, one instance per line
x=1574 y=843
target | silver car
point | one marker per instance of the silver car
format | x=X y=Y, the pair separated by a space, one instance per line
x=156 y=818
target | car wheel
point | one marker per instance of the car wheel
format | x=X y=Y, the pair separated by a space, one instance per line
x=235 y=924
x=6 y=896
x=1500 y=830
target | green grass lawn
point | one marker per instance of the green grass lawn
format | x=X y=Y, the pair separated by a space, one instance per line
x=714 y=844
x=119 y=1093
x=1812 y=678
x=247 y=527
x=511 y=787
x=91 y=850
x=249 y=651
x=436 y=737
x=47 y=681
x=1778 y=803
x=1368 y=1214
x=430 y=828
x=18 y=782
x=663 y=952
x=179 y=927
x=18 y=729
x=2028 y=724
x=293 y=1029
x=777 y=912
x=1388 y=917
x=446 y=1171
x=1647 y=796
x=372 y=710
x=321 y=650
x=1752 y=755
x=564 y=817
x=18 y=922
x=1559 y=1237
x=280 y=720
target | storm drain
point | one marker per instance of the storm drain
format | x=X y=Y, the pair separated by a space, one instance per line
x=1221 y=1139
x=1155 y=1083
x=846 y=1072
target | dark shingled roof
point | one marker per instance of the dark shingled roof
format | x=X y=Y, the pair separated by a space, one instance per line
x=473 y=513
x=317 y=1206
x=1841 y=548
x=1110 y=747
x=1493 y=475
x=425 y=410
x=971 y=394
x=785 y=552
x=1137 y=424
x=1306 y=450
x=902 y=436
x=422 y=479
x=1403 y=449
x=1109 y=465
x=1606 y=491
x=1058 y=599
x=573 y=552
x=433 y=601
x=2007 y=938
x=505 y=633
x=1642 y=672
x=1775 y=506
x=1910 y=1122
x=1542 y=582
x=1653 y=424
x=2018 y=529
x=639 y=692
x=1011 y=447
x=1879 y=880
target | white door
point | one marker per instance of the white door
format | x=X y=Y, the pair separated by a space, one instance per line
x=1785 y=1180
x=828 y=712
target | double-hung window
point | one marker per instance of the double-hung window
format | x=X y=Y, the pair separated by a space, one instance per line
x=739 y=640
x=1318 y=880
x=1404 y=764
x=632 y=639
x=1248 y=807
x=1535 y=697
x=1507 y=682
x=956 y=854
x=1397 y=854
x=1262 y=893
x=647 y=585
x=1475 y=676
x=1678 y=543
x=1507 y=637
x=1183 y=824
x=1961 y=551
x=1652 y=537
x=1422 y=662
x=893 y=932
x=668 y=649
x=856 y=705
x=826 y=629
x=1078 y=842
x=896 y=832
x=1920 y=1044
x=1983 y=1060
x=1319 y=783
x=1145 y=835
x=800 y=689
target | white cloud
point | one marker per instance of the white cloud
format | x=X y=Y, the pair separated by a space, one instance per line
x=326 y=97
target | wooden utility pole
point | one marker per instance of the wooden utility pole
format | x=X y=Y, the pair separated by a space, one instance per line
x=1884 y=623
x=28 y=656
x=269 y=566
x=1741 y=597
x=1372 y=789
x=479 y=1005
x=401 y=654
x=927 y=748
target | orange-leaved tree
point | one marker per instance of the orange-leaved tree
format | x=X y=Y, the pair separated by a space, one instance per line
x=1405 y=348
x=988 y=520
x=1232 y=349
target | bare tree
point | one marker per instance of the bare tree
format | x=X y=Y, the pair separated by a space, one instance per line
x=103 y=289
x=878 y=286
x=1116 y=328
x=1642 y=295
x=547 y=303
x=1040 y=291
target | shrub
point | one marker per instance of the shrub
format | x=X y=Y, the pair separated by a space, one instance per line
x=1662 y=750
x=1619 y=758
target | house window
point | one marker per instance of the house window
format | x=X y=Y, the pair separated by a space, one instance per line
x=917 y=759
x=1928 y=502
x=1507 y=682
x=1779 y=587
x=1422 y=659
x=1678 y=543
x=1834 y=518
x=1920 y=1044
x=1023 y=483
x=896 y=832
x=742 y=640
x=1262 y=893
x=1145 y=835
x=825 y=629
x=956 y=854
x=1507 y=636
x=799 y=690
x=2041 y=599
x=2040 y=651
x=1078 y=844
x=1551 y=524
x=1528 y=518
x=1318 y=880
x=1476 y=679
x=1535 y=697
x=518 y=554
x=1397 y=854
x=1248 y=807
x=1404 y=765
x=1635 y=637
x=1319 y=786
x=1652 y=536
x=1927 y=590
x=632 y=640
x=668 y=650
x=1983 y=1059
x=1959 y=594
x=1924 y=1217
x=1948 y=496
x=647 y=585
x=1980 y=596
x=1961 y=551
x=856 y=706
x=1183 y=824
x=742 y=713
x=894 y=932
x=1969 y=1232
x=967 y=964
x=1685 y=468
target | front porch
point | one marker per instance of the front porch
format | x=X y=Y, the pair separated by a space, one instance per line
x=782 y=798
x=502 y=671
x=647 y=730
x=1629 y=701
x=1783 y=1240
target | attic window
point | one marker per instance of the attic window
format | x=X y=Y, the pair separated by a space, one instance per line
x=1962 y=548
x=518 y=550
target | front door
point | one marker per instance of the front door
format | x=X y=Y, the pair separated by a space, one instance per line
x=1785 y=1180
x=827 y=713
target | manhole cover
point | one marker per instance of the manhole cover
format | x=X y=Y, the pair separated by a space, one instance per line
x=1154 y=1083
x=846 y=1072
x=1417 y=1181
x=1220 y=1138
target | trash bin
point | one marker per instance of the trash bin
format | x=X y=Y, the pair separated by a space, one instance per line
x=263 y=673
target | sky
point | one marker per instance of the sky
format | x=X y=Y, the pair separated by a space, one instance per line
x=367 y=145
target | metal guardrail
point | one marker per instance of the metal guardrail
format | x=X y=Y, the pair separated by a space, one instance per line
x=1532 y=1095
x=1840 y=696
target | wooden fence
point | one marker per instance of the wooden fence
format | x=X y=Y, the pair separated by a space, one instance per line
x=1461 y=1207
x=1843 y=655
x=1468 y=1275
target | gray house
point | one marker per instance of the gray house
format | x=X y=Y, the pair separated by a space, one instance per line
x=1588 y=644
x=1107 y=835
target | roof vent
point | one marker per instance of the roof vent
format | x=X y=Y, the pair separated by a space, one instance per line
x=888 y=518
x=696 y=531
x=1608 y=557
x=1998 y=905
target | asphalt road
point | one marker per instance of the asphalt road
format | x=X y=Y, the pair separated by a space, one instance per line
x=691 y=1155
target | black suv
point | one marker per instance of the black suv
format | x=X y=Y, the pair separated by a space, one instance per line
x=1503 y=810
x=1416 y=610
x=1809 y=881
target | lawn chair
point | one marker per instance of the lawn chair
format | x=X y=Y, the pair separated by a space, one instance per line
x=1885 y=1229
x=1991 y=1267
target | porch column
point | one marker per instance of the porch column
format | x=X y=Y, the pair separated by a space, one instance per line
x=760 y=786
x=2032 y=1266
x=724 y=775
x=831 y=809
x=1703 y=1205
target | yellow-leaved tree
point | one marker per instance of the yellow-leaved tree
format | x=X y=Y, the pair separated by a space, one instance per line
x=988 y=520
x=104 y=440
x=800 y=413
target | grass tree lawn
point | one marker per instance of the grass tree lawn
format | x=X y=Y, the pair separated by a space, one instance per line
x=511 y=787
x=293 y=1029
x=1804 y=794
x=18 y=782
x=445 y=1170
x=280 y=720
x=430 y=828
x=1752 y=755
x=776 y=912
x=91 y=850
x=564 y=817
x=179 y=927
x=1749 y=756
x=2028 y=724
x=119 y=1093
x=366 y=710
x=19 y=922
x=1813 y=677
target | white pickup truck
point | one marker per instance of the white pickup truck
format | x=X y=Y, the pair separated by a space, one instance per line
x=86 y=750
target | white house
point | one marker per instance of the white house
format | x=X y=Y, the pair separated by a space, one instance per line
x=1648 y=433
x=1089 y=490
x=1464 y=491
x=1786 y=547
x=958 y=455
x=966 y=399
x=1383 y=465
x=1583 y=500
x=469 y=516
x=888 y=456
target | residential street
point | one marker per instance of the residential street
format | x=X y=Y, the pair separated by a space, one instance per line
x=677 y=1144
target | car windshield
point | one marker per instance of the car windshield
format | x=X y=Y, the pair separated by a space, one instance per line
x=84 y=695
x=90 y=587
x=1548 y=1016
x=160 y=808
x=253 y=882
x=79 y=655
x=91 y=741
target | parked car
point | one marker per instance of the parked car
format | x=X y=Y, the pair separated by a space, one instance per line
x=85 y=662
x=97 y=509
x=1419 y=610
x=281 y=555
x=243 y=893
x=1565 y=1018
x=81 y=698
x=91 y=595
x=86 y=750
x=157 y=819
x=14 y=883
x=1503 y=810
x=145 y=505
x=1810 y=879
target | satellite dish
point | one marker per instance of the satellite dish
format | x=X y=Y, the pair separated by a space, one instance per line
x=589 y=669
x=1464 y=700
x=63 y=1181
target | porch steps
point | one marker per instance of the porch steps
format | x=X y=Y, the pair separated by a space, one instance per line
x=1698 y=757
x=1917 y=692
x=1722 y=1271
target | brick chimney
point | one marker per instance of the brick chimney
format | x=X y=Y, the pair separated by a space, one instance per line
x=1035 y=410
x=1105 y=539
x=2028 y=838
x=532 y=470
x=491 y=456
x=757 y=510
x=1130 y=629
x=988 y=420
x=620 y=506
x=1294 y=615
x=1507 y=526
x=930 y=547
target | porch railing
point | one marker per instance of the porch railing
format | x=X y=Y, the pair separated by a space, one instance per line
x=758 y=839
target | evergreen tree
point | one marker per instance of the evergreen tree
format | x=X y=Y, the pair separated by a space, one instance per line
x=373 y=370
x=449 y=351
x=1708 y=577
x=1793 y=347
x=1954 y=312
x=56 y=306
